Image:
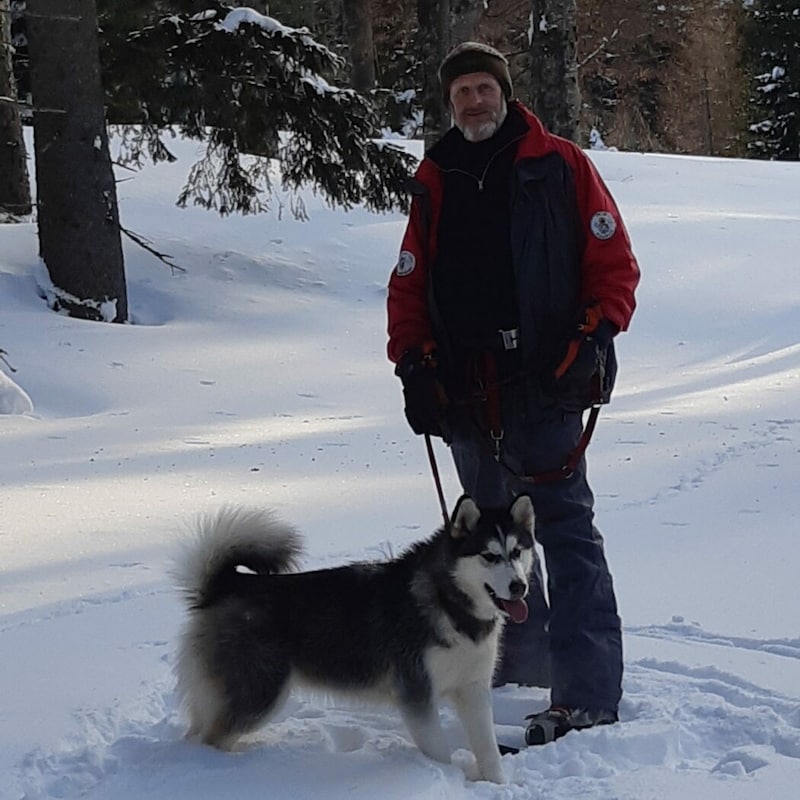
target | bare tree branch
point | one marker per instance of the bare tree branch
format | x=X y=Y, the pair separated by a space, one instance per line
x=3 y=358
x=145 y=244
x=12 y=102
x=602 y=46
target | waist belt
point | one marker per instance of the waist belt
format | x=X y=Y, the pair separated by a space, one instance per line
x=500 y=340
x=510 y=338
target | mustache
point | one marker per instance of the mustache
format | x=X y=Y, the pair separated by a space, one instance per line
x=480 y=131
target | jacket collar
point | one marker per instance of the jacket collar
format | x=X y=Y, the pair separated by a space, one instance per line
x=453 y=150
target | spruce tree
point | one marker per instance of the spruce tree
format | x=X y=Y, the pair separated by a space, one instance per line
x=772 y=33
x=251 y=89
x=76 y=198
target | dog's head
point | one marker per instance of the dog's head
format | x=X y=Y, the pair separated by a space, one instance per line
x=495 y=556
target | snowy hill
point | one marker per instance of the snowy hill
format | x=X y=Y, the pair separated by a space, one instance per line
x=258 y=375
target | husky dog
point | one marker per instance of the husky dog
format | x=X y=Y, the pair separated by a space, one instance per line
x=412 y=630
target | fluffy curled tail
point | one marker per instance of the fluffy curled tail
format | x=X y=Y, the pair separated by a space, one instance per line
x=206 y=569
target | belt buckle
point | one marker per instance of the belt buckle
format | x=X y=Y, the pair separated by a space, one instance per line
x=510 y=338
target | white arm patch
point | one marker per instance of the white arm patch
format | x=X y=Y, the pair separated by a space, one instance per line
x=603 y=225
x=405 y=263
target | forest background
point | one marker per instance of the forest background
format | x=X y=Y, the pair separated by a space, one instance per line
x=702 y=77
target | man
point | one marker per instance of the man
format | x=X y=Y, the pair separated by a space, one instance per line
x=515 y=273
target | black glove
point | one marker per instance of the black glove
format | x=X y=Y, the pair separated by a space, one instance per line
x=424 y=395
x=585 y=376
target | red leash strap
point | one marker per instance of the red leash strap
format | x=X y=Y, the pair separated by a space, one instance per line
x=495 y=425
x=569 y=467
x=496 y=433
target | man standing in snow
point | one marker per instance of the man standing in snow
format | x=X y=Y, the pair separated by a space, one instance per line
x=515 y=273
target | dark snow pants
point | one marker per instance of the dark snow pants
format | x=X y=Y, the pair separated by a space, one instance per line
x=575 y=645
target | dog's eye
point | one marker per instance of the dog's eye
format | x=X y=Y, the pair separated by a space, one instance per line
x=515 y=554
x=490 y=558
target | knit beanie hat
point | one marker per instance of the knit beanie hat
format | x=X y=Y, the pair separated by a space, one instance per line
x=474 y=57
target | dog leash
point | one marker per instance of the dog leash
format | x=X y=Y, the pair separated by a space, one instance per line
x=491 y=396
x=562 y=473
x=437 y=480
x=568 y=469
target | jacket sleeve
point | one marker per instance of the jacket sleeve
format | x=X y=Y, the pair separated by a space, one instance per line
x=609 y=268
x=409 y=323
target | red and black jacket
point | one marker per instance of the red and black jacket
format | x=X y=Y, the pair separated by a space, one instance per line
x=569 y=246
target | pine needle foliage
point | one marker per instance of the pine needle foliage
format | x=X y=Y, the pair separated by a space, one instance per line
x=772 y=35
x=257 y=93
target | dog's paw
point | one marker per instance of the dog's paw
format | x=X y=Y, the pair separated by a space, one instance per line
x=473 y=772
x=494 y=774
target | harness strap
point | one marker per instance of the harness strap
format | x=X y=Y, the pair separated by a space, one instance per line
x=492 y=387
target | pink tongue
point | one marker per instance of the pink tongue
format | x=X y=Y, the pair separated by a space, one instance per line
x=516 y=609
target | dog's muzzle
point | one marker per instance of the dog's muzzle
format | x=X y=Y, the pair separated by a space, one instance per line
x=515 y=607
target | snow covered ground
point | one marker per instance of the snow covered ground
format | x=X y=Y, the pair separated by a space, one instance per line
x=258 y=375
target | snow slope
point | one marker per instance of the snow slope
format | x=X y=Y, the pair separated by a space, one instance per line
x=258 y=375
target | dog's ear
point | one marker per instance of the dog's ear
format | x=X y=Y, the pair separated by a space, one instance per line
x=522 y=512
x=465 y=517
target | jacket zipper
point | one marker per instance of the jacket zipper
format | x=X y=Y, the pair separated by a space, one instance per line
x=481 y=180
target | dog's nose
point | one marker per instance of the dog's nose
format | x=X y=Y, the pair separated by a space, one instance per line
x=517 y=589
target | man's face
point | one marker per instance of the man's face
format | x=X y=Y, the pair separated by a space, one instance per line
x=478 y=104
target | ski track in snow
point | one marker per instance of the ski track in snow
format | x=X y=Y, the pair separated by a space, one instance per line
x=772 y=433
x=789 y=648
x=686 y=719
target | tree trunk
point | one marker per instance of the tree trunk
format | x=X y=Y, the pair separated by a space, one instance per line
x=15 y=189
x=434 y=42
x=464 y=16
x=79 y=233
x=358 y=28
x=554 y=65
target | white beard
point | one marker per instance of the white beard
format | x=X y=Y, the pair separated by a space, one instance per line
x=484 y=130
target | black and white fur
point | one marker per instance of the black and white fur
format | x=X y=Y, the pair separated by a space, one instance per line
x=412 y=630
